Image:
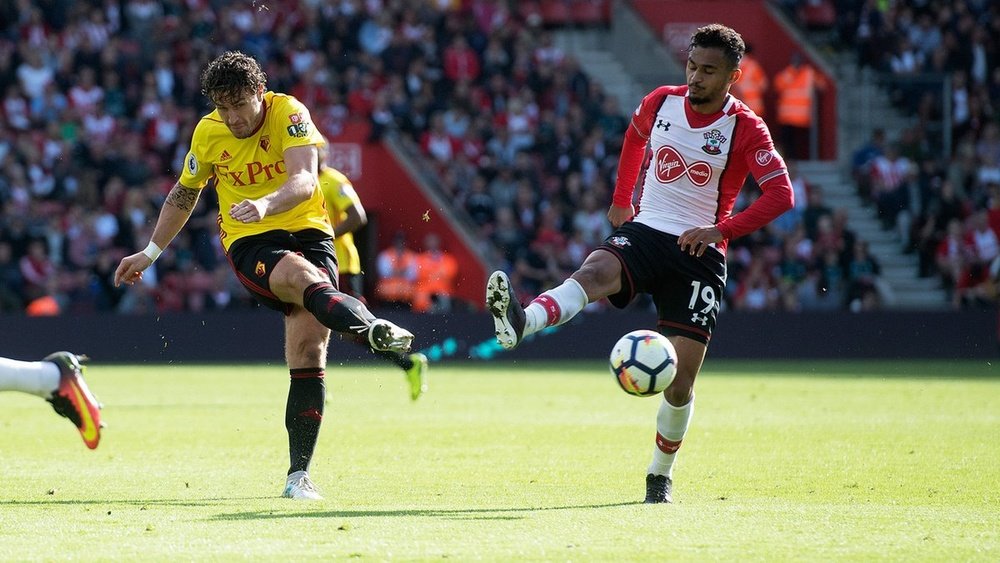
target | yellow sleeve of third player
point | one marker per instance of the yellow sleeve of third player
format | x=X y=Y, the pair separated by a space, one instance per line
x=340 y=196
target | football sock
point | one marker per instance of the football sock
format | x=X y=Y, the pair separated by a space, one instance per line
x=671 y=425
x=337 y=311
x=37 y=378
x=303 y=415
x=402 y=360
x=555 y=306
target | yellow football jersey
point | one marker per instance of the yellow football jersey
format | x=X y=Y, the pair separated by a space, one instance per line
x=253 y=167
x=340 y=195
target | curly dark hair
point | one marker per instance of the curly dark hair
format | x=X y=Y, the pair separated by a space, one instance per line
x=718 y=36
x=231 y=76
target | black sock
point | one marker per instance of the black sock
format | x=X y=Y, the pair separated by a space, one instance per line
x=303 y=415
x=337 y=311
x=402 y=360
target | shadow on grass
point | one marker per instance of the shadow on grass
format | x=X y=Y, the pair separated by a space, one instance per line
x=447 y=514
x=128 y=502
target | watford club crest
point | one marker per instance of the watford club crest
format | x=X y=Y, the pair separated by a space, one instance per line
x=265 y=142
x=260 y=270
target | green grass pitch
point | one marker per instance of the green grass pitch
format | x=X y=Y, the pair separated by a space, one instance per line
x=502 y=461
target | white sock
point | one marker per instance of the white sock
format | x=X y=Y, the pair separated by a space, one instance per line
x=555 y=306
x=37 y=378
x=671 y=425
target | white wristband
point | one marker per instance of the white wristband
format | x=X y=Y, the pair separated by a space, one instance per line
x=152 y=251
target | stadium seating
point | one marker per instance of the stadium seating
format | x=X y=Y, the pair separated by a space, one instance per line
x=538 y=138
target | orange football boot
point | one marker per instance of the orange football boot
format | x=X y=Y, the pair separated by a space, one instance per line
x=73 y=398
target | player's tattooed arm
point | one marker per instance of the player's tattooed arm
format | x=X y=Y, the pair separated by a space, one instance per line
x=183 y=198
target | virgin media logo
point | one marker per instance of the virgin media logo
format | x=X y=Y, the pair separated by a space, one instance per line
x=670 y=166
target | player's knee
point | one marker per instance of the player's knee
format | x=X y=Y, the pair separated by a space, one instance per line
x=294 y=277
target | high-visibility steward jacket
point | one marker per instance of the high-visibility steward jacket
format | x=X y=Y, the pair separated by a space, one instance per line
x=750 y=88
x=436 y=272
x=796 y=94
x=397 y=270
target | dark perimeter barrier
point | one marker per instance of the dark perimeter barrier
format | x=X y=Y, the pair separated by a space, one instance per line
x=257 y=336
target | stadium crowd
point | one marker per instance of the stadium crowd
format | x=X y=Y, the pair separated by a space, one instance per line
x=943 y=201
x=101 y=99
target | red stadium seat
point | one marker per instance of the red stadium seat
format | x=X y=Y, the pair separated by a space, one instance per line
x=591 y=13
x=556 y=13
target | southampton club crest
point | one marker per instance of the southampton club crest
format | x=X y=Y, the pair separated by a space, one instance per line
x=713 y=142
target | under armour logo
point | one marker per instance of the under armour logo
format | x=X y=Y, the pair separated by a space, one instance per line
x=701 y=319
x=661 y=125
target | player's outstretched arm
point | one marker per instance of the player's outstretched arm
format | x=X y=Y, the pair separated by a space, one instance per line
x=301 y=164
x=174 y=214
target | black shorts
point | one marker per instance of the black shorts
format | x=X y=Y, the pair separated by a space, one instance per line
x=254 y=257
x=687 y=290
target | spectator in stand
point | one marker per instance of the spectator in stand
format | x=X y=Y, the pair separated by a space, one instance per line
x=757 y=291
x=815 y=209
x=865 y=289
x=34 y=75
x=932 y=226
x=397 y=273
x=974 y=278
x=988 y=154
x=952 y=260
x=11 y=281
x=751 y=88
x=891 y=177
x=461 y=63
x=437 y=271
x=437 y=143
x=982 y=240
x=862 y=161
x=905 y=63
x=37 y=270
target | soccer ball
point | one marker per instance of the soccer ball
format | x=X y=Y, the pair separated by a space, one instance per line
x=643 y=362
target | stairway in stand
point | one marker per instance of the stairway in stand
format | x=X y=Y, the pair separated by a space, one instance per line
x=899 y=269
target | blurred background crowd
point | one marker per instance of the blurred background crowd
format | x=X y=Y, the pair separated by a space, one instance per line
x=99 y=99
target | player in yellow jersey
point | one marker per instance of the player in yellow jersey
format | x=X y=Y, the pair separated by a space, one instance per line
x=347 y=215
x=260 y=147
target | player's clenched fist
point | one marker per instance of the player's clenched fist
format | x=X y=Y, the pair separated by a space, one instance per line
x=618 y=216
x=131 y=267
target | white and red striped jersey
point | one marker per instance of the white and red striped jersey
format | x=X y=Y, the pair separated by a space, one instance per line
x=698 y=166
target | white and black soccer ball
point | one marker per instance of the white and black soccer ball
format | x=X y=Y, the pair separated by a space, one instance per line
x=643 y=362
